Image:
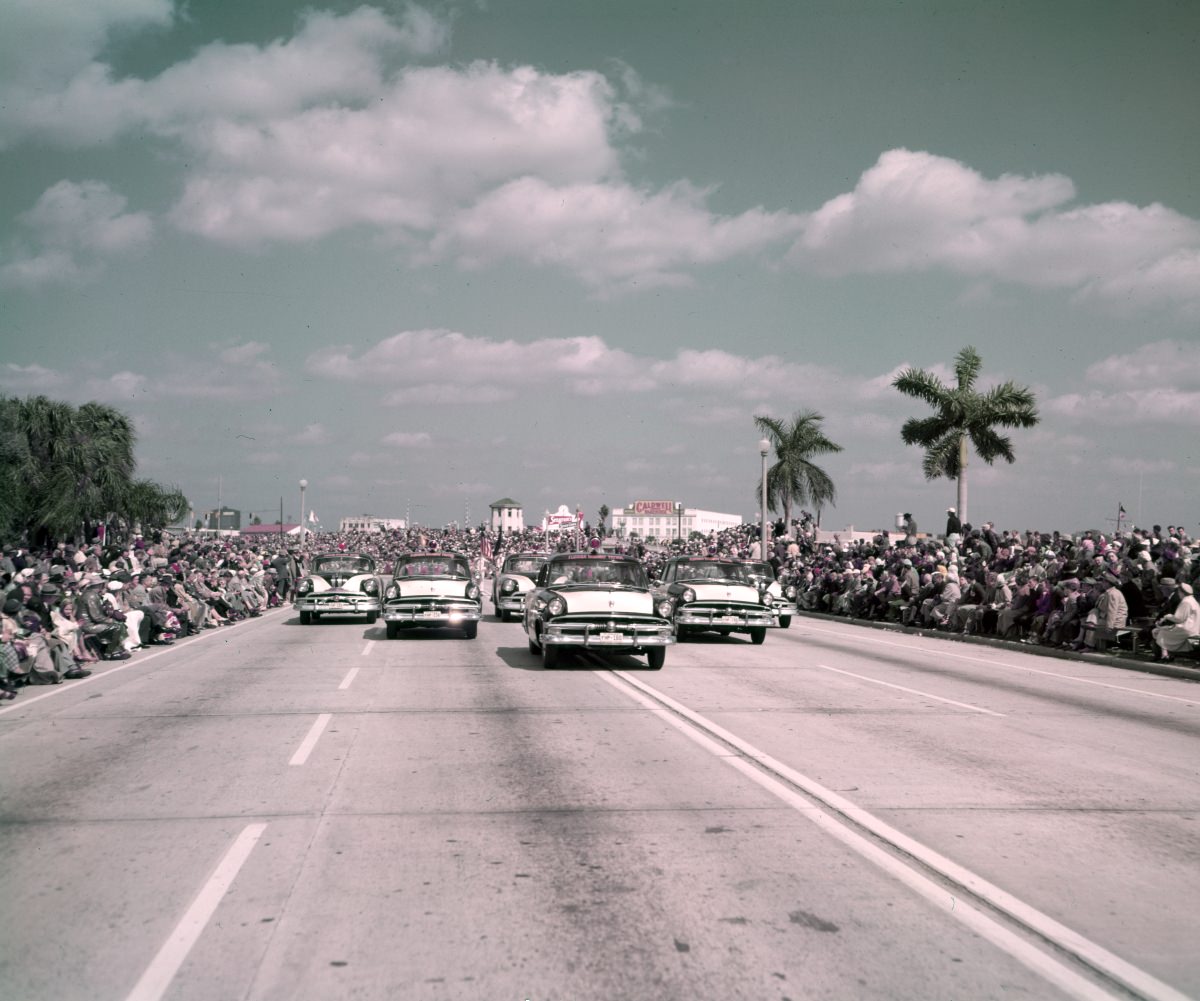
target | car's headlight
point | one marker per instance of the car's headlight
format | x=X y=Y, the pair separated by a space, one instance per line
x=664 y=608
x=370 y=586
x=790 y=591
x=766 y=599
x=508 y=586
x=304 y=586
x=687 y=595
x=392 y=592
x=473 y=592
x=556 y=606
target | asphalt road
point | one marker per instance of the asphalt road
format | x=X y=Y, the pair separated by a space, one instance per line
x=273 y=811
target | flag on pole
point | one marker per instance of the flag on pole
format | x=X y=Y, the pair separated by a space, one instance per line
x=485 y=550
x=1121 y=508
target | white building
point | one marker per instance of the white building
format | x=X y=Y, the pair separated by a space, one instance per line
x=507 y=516
x=659 y=519
x=366 y=523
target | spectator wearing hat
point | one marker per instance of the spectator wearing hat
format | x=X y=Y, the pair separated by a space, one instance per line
x=1110 y=614
x=953 y=528
x=1175 y=631
x=99 y=628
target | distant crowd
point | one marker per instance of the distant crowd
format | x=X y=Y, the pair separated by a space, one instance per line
x=69 y=606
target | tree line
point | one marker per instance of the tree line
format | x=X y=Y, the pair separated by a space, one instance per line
x=963 y=418
x=65 y=470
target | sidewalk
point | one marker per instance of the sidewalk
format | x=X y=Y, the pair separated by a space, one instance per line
x=1188 y=668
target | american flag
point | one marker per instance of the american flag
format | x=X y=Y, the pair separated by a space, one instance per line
x=485 y=550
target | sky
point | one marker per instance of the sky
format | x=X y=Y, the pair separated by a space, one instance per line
x=430 y=256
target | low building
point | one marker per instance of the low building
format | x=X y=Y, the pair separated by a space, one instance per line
x=369 y=523
x=664 y=519
x=224 y=520
x=507 y=516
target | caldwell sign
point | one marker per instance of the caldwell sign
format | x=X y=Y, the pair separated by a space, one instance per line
x=654 y=507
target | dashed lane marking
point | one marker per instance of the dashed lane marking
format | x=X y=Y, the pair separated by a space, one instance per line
x=314 y=734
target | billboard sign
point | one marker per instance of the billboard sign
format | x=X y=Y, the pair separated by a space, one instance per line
x=654 y=507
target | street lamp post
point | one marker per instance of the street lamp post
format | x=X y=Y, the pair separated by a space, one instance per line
x=764 y=447
x=303 y=487
x=679 y=519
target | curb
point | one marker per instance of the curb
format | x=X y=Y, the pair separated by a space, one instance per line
x=1125 y=661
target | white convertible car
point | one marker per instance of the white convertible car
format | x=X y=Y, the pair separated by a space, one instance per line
x=432 y=590
x=709 y=594
x=596 y=602
x=339 y=584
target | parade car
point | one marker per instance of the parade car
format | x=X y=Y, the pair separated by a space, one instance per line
x=513 y=581
x=431 y=591
x=339 y=584
x=783 y=596
x=710 y=594
x=596 y=602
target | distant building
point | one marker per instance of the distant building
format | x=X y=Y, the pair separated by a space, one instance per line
x=664 y=519
x=224 y=520
x=507 y=516
x=367 y=523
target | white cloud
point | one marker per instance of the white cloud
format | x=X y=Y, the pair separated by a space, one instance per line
x=23 y=380
x=1153 y=405
x=915 y=211
x=607 y=234
x=1160 y=363
x=313 y=434
x=71 y=230
x=407 y=439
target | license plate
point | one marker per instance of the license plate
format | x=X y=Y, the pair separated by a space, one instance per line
x=335 y=605
x=610 y=638
x=429 y=615
x=728 y=618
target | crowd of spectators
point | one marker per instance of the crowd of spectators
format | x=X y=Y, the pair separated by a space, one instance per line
x=70 y=606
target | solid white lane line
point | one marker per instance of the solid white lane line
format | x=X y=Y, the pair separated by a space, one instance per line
x=162 y=969
x=1094 y=955
x=135 y=661
x=911 y=691
x=314 y=734
x=367 y=649
x=349 y=679
x=1015 y=667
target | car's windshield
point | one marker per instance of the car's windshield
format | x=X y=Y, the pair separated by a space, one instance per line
x=343 y=564
x=599 y=572
x=710 y=570
x=764 y=570
x=431 y=566
x=523 y=564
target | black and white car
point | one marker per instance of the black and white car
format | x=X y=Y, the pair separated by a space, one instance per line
x=596 y=602
x=513 y=580
x=711 y=594
x=431 y=591
x=339 y=584
x=783 y=596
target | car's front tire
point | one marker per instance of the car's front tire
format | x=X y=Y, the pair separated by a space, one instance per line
x=785 y=621
x=533 y=647
x=551 y=657
x=470 y=629
x=305 y=618
x=393 y=630
x=371 y=617
x=758 y=634
x=656 y=656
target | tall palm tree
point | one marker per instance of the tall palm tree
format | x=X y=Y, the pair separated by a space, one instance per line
x=795 y=478
x=963 y=415
x=603 y=512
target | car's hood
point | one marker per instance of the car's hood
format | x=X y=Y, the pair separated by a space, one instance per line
x=523 y=582
x=589 y=600
x=420 y=587
x=723 y=591
x=348 y=583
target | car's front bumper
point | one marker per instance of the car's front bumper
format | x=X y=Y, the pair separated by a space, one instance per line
x=725 y=616
x=337 y=602
x=432 y=612
x=784 y=611
x=608 y=635
x=511 y=602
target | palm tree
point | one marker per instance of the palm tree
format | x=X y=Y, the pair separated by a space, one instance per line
x=962 y=416
x=603 y=512
x=795 y=478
